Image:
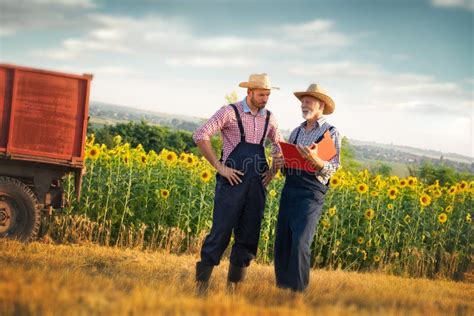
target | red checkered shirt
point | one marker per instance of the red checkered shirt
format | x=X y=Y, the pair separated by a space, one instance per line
x=225 y=121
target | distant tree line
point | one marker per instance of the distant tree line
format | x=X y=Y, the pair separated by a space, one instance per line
x=154 y=137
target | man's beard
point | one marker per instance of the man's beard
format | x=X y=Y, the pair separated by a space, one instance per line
x=255 y=104
x=307 y=114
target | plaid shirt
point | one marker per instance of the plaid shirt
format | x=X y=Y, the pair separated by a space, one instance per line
x=225 y=121
x=307 y=138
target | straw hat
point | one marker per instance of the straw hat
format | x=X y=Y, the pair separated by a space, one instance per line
x=257 y=81
x=315 y=91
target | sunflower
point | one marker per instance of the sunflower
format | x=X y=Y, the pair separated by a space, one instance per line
x=362 y=188
x=468 y=218
x=335 y=182
x=462 y=186
x=452 y=190
x=374 y=194
x=272 y=193
x=143 y=158
x=369 y=243
x=403 y=183
x=360 y=240
x=396 y=254
x=364 y=254
x=164 y=193
x=369 y=214
x=93 y=153
x=190 y=161
x=449 y=209
x=411 y=181
x=442 y=218
x=437 y=193
x=390 y=206
x=332 y=211
x=325 y=223
x=376 y=258
x=392 y=193
x=205 y=176
x=425 y=200
x=169 y=156
x=407 y=219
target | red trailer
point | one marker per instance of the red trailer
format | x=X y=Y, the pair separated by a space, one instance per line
x=43 y=125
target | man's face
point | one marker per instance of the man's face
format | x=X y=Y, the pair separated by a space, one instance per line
x=311 y=108
x=259 y=97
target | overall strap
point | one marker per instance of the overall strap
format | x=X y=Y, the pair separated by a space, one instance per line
x=327 y=127
x=297 y=134
x=239 y=122
x=267 y=120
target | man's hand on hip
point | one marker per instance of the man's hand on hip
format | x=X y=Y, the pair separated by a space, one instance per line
x=232 y=175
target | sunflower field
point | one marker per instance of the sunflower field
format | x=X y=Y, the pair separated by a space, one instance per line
x=151 y=201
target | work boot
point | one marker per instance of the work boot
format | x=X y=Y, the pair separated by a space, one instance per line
x=234 y=277
x=203 y=274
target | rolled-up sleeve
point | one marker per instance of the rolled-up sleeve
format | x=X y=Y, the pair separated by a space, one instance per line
x=275 y=136
x=331 y=166
x=213 y=125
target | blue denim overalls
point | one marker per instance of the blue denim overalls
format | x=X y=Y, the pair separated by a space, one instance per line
x=300 y=209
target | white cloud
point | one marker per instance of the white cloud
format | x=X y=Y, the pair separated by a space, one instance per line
x=28 y=15
x=315 y=33
x=463 y=4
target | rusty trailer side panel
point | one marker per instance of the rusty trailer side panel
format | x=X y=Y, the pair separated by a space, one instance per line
x=43 y=115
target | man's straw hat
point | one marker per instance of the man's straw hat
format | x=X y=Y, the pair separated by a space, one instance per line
x=257 y=81
x=315 y=91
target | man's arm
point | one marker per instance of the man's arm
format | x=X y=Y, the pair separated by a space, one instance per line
x=202 y=138
x=232 y=175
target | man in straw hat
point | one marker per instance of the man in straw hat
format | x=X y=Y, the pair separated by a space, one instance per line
x=303 y=193
x=242 y=174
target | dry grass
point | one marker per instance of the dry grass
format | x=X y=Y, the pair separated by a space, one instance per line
x=46 y=279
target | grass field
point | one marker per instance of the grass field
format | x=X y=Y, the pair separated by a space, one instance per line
x=48 y=279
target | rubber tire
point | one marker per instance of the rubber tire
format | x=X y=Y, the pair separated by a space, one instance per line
x=27 y=211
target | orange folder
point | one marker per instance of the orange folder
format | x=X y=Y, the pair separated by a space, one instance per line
x=293 y=159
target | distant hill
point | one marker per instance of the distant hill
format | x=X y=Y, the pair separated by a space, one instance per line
x=368 y=153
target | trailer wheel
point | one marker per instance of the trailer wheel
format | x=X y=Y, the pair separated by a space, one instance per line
x=20 y=217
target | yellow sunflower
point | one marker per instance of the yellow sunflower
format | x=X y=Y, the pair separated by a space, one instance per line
x=392 y=193
x=93 y=152
x=332 y=211
x=403 y=183
x=407 y=219
x=335 y=182
x=374 y=193
x=325 y=223
x=468 y=218
x=411 y=181
x=425 y=200
x=437 y=193
x=362 y=188
x=390 y=206
x=369 y=214
x=205 y=176
x=376 y=258
x=452 y=190
x=449 y=209
x=360 y=240
x=462 y=186
x=143 y=158
x=442 y=218
x=164 y=193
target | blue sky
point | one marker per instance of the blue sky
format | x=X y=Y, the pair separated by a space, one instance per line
x=400 y=72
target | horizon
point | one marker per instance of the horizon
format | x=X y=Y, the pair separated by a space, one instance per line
x=286 y=130
x=399 y=72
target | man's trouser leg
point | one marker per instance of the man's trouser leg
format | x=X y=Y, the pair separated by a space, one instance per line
x=228 y=204
x=247 y=232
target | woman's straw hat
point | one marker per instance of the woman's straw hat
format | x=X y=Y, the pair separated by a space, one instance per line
x=257 y=81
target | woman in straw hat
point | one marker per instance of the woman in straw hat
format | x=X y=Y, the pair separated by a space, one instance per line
x=242 y=174
x=303 y=194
